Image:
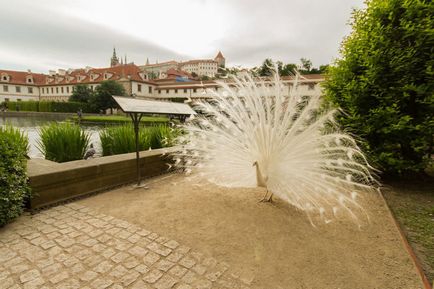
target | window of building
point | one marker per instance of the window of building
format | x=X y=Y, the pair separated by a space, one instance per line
x=57 y=90
x=4 y=78
x=150 y=89
x=167 y=90
x=159 y=91
x=194 y=90
x=29 y=80
x=139 y=87
x=185 y=90
x=17 y=89
x=52 y=90
x=67 y=89
x=176 y=91
x=6 y=99
x=5 y=88
x=30 y=89
x=61 y=89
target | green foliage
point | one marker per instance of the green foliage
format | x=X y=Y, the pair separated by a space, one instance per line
x=384 y=83
x=103 y=99
x=267 y=68
x=63 y=142
x=48 y=106
x=14 y=189
x=120 y=139
x=81 y=93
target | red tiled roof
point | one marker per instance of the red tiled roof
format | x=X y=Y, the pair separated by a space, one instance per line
x=20 y=77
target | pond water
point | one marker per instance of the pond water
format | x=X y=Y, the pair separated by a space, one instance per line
x=31 y=124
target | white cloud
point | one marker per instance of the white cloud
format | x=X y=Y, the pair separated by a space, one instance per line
x=40 y=34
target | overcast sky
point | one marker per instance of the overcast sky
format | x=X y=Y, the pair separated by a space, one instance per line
x=51 y=34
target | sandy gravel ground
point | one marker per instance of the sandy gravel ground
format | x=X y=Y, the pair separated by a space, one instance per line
x=273 y=243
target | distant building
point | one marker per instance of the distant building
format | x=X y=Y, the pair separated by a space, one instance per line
x=177 y=85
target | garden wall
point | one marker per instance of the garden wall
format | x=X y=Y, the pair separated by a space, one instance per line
x=53 y=182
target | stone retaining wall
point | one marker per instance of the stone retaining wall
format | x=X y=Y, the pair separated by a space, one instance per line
x=53 y=182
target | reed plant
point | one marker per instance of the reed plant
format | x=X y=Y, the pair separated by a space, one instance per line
x=120 y=139
x=63 y=142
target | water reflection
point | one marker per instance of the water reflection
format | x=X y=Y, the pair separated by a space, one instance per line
x=31 y=124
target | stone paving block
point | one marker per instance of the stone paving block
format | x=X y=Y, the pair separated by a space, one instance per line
x=190 y=277
x=138 y=251
x=159 y=249
x=14 y=261
x=47 y=245
x=88 y=276
x=101 y=283
x=104 y=238
x=108 y=253
x=161 y=240
x=35 y=283
x=103 y=267
x=8 y=283
x=184 y=286
x=178 y=271
x=187 y=262
x=172 y=244
x=122 y=245
x=83 y=254
x=70 y=261
x=131 y=262
x=151 y=258
x=77 y=268
x=143 y=233
x=29 y=275
x=142 y=268
x=59 y=277
x=124 y=234
x=45 y=262
x=92 y=261
x=6 y=254
x=129 y=278
x=118 y=271
x=134 y=238
x=164 y=265
x=51 y=269
x=119 y=257
x=197 y=256
x=183 y=249
x=90 y=242
x=139 y=285
x=99 y=247
x=152 y=276
x=152 y=236
x=69 y=284
x=174 y=257
x=166 y=282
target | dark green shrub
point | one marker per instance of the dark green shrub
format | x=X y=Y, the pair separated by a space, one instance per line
x=384 y=83
x=63 y=142
x=49 y=106
x=14 y=189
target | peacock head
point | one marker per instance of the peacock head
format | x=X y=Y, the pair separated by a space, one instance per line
x=255 y=163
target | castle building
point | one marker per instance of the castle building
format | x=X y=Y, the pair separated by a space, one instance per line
x=170 y=80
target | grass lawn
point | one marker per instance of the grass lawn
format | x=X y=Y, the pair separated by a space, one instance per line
x=412 y=203
x=118 y=119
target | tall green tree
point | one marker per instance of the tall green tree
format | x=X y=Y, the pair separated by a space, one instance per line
x=384 y=82
x=266 y=68
x=81 y=93
x=103 y=94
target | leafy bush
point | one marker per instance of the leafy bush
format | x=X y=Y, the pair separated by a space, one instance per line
x=14 y=189
x=384 y=83
x=49 y=106
x=63 y=142
x=120 y=139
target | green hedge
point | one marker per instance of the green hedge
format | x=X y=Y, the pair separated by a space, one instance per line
x=48 y=106
x=14 y=188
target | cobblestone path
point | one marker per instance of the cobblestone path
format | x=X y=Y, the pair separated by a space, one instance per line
x=71 y=246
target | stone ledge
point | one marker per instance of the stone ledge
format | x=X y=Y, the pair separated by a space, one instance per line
x=53 y=182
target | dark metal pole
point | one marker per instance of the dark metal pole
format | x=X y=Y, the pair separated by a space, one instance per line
x=136 y=117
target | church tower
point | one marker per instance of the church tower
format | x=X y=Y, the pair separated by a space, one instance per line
x=114 y=60
x=221 y=60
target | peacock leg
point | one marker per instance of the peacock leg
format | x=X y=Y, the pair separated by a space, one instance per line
x=270 y=199
x=264 y=198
